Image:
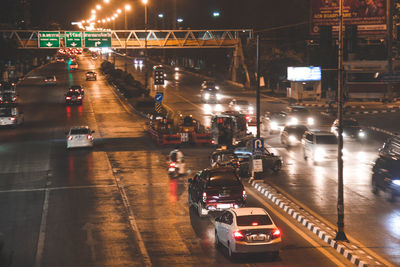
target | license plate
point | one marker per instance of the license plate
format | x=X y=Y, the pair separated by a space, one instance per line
x=258 y=237
x=223 y=206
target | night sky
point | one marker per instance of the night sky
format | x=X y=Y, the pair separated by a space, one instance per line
x=256 y=14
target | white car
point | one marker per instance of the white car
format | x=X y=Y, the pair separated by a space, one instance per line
x=319 y=146
x=247 y=230
x=242 y=106
x=10 y=116
x=79 y=136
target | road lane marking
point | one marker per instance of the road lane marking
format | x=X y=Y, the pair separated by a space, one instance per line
x=42 y=230
x=350 y=238
x=295 y=228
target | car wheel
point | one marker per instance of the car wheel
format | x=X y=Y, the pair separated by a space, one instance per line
x=216 y=243
x=231 y=254
x=277 y=166
x=199 y=210
x=392 y=196
x=375 y=188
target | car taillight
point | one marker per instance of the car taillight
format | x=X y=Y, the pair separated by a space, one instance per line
x=70 y=137
x=254 y=223
x=12 y=119
x=68 y=97
x=244 y=195
x=46 y=80
x=172 y=164
x=276 y=233
x=14 y=98
x=89 y=137
x=204 y=197
x=79 y=97
x=238 y=235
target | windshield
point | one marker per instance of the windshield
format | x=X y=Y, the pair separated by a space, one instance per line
x=327 y=139
x=300 y=110
x=253 y=220
x=222 y=179
x=242 y=102
x=80 y=131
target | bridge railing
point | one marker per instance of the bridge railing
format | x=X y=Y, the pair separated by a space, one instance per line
x=139 y=39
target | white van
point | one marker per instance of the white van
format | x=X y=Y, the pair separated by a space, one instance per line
x=319 y=146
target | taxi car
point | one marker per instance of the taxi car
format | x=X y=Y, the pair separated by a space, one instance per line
x=91 y=75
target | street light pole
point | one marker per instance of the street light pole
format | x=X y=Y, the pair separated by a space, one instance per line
x=145 y=44
x=340 y=235
x=258 y=87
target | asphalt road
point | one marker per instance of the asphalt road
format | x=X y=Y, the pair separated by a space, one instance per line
x=112 y=205
x=370 y=219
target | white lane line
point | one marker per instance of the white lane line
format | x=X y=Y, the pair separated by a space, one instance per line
x=42 y=230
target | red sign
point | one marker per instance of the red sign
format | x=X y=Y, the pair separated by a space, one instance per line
x=368 y=15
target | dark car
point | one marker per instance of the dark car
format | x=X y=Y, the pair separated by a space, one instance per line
x=8 y=98
x=216 y=189
x=91 y=75
x=77 y=88
x=351 y=129
x=291 y=135
x=300 y=115
x=7 y=86
x=273 y=122
x=73 y=97
x=210 y=95
x=386 y=176
x=228 y=158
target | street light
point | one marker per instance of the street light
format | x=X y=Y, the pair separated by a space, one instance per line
x=179 y=20
x=216 y=14
x=98 y=7
x=106 y=1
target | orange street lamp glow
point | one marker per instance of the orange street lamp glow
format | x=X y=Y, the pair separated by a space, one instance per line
x=127 y=7
x=106 y=1
x=108 y=19
x=103 y=20
x=119 y=11
x=145 y=2
x=98 y=7
x=93 y=11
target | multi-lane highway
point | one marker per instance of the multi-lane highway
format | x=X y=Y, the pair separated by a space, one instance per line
x=114 y=205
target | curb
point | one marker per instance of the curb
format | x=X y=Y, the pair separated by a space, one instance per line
x=351 y=252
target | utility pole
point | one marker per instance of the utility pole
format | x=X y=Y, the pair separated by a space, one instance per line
x=389 y=34
x=340 y=235
x=258 y=87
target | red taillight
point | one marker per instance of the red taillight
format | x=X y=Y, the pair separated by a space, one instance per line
x=244 y=195
x=276 y=233
x=46 y=80
x=254 y=223
x=212 y=142
x=70 y=138
x=238 y=235
x=12 y=119
x=79 y=97
x=172 y=164
x=14 y=98
x=89 y=137
x=204 y=197
x=68 y=98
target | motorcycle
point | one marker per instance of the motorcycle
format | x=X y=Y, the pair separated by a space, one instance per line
x=173 y=170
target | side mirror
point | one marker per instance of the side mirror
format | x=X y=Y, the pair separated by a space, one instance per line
x=190 y=180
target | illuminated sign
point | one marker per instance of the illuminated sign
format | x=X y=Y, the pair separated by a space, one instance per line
x=299 y=74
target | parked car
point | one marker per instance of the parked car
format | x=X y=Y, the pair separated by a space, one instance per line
x=319 y=146
x=386 y=176
x=247 y=230
x=291 y=135
x=351 y=129
x=79 y=136
x=215 y=190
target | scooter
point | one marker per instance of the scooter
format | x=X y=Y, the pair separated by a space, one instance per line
x=173 y=170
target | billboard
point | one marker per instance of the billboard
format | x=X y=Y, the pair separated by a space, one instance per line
x=368 y=15
x=303 y=74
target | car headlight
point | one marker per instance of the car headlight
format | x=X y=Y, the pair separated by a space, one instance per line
x=319 y=154
x=207 y=96
x=294 y=121
x=217 y=87
x=274 y=125
x=218 y=96
x=396 y=182
x=237 y=108
x=310 y=121
x=344 y=134
x=292 y=138
x=361 y=134
x=176 y=69
x=251 y=108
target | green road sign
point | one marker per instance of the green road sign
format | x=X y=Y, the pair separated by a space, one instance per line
x=49 y=39
x=73 y=39
x=97 y=39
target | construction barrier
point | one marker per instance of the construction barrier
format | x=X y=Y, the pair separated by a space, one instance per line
x=202 y=138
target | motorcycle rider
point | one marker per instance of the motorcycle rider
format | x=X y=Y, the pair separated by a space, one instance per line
x=177 y=156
